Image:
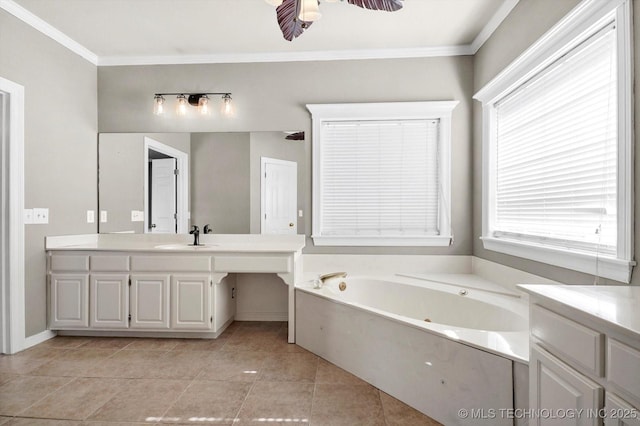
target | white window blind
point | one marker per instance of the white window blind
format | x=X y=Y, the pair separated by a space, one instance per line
x=556 y=150
x=380 y=178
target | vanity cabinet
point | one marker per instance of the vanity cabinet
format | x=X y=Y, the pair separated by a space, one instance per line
x=582 y=361
x=146 y=293
x=149 y=301
x=191 y=302
x=69 y=300
x=109 y=304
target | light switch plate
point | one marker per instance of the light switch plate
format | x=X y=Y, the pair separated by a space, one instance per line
x=91 y=216
x=103 y=216
x=299 y=213
x=137 y=216
x=41 y=215
x=28 y=216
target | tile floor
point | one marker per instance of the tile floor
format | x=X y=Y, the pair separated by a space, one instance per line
x=248 y=376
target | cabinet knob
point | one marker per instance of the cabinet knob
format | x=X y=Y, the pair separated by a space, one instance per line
x=291 y=225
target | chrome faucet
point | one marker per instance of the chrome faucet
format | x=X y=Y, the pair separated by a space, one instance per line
x=196 y=235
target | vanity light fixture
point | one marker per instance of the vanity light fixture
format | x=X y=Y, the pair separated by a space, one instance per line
x=199 y=100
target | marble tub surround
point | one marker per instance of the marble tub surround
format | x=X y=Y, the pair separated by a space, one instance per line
x=250 y=375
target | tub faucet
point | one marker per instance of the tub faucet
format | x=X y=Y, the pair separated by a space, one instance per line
x=196 y=235
x=325 y=277
x=207 y=229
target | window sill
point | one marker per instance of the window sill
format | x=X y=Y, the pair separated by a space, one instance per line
x=606 y=267
x=358 y=241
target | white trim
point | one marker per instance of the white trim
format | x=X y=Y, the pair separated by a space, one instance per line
x=304 y=56
x=261 y=316
x=36 y=339
x=13 y=291
x=615 y=269
x=442 y=110
x=357 y=241
x=585 y=18
x=503 y=11
x=552 y=45
x=182 y=199
x=45 y=28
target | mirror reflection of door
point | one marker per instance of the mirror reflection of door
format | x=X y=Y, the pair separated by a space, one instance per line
x=163 y=195
x=279 y=196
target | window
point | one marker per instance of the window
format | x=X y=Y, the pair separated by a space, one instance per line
x=381 y=174
x=557 y=147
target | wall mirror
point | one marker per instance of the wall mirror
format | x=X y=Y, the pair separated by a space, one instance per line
x=237 y=182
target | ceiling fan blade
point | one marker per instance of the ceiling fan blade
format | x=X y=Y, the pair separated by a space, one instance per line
x=386 y=5
x=289 y=23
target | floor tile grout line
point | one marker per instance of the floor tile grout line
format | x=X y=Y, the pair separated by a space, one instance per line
x=235 y=418
x=73 y=379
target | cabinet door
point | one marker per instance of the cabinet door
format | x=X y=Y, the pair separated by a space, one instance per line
x=620 y=413
x=555 y=386
x=149 y=301
x=109 y=307
x=191 y=302
x=69 y=301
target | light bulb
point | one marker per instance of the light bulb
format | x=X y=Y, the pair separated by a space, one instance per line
x=203 y=105
x=274 y=2
x=181 y=108
x=309 y=11
x=158 y=104
x=227 y=105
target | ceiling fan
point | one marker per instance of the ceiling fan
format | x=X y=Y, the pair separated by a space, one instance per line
x=295 y=16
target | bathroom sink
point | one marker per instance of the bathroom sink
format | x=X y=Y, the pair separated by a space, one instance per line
x=185 y=246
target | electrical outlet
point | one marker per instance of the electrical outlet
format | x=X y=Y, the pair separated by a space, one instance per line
x=28 y=216
x=41 y=215
x=103 y=216
x=299 y=213
x=91 y=216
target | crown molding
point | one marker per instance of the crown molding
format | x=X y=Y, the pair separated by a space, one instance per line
x=326 y=55
x=45 y=28
x=226 y=58
x=503 y=11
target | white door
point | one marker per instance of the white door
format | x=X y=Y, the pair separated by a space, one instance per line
x=163 y=196
x=191 y=302
x=109 y=307
x=279 y=196
x=69 y=301
x=149 y=301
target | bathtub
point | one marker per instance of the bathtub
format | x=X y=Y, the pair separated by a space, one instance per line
x=439 y=342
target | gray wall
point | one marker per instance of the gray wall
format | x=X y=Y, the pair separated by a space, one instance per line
x=60 y=145
x=272 y=97
x=526 y=23
x=121 y=175
x=274 y=145
x=220 y=181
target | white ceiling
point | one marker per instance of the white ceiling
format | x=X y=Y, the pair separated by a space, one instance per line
x=161 y=31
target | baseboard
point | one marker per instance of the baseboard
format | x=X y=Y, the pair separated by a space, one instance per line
x=39 y=338
x=261 y=316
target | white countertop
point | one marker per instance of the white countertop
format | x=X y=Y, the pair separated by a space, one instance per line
x=180 y=243
x=617 y=306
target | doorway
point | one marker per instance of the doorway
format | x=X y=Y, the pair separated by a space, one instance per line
x=278 y=196
x=166 y=188
x=12 y=256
